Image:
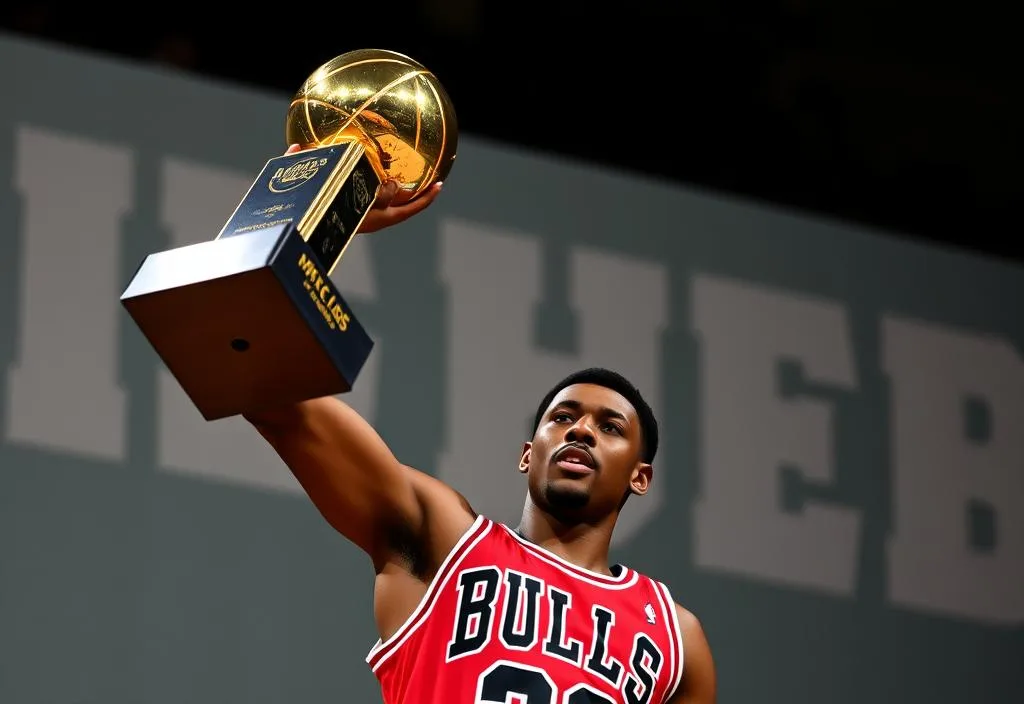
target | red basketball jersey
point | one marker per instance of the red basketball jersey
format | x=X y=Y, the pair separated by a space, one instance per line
x=506 y=621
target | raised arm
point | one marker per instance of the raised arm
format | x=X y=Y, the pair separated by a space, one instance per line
x=387 y=509
x=392 y=512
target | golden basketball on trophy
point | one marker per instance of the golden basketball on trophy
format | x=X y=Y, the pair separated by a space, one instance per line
x=389 y=103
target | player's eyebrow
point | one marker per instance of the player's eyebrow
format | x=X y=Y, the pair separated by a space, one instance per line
x=603 y=410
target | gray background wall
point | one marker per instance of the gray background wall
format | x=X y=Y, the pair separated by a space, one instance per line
x=840 y=497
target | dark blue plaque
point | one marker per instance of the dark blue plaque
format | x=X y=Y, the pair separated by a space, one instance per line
x=251 y=319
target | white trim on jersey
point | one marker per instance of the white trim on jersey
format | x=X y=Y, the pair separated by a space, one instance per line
x=673 y=648
x=625 y=579
x=675 y=634
x=382 y=650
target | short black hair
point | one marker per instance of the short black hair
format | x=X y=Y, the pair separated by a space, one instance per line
x=609 y=379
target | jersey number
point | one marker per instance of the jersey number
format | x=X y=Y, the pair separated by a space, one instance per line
x=506 y=682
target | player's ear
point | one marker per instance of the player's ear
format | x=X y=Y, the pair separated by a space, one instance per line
x=641 y=479
x=524 y=459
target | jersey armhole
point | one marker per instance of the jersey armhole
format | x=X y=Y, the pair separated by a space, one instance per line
x=675 y=633
x=383 y=649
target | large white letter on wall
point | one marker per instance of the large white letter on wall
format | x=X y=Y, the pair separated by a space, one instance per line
x=64 y=389
x=957 y=405
x=197 y=201
x=497 y=375
x=749 y=432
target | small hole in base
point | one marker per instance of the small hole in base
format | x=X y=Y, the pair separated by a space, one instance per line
x=239 y=345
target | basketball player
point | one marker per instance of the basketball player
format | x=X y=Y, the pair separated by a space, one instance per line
x=471 y=611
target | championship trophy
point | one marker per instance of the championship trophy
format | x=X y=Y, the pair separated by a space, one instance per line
x=251 y=318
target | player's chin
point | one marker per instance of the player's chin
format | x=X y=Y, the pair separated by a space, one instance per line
x=566 y=494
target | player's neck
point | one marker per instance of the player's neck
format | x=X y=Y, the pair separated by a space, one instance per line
x=583 y=544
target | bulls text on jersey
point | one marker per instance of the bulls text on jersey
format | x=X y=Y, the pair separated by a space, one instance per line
x=505 y=620
x=480 y=617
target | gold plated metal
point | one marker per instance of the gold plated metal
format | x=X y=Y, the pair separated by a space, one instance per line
x=391 y=104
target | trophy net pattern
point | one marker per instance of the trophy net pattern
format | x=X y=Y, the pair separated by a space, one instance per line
x=396 y=108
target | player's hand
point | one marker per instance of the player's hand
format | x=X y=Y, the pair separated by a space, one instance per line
x=385 y=211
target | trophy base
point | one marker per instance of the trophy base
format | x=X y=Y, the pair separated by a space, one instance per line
x=247 y=322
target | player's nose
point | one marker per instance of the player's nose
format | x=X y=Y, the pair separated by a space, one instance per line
x=581 y=431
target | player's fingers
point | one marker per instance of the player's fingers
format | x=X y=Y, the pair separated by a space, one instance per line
x=421 y=202
x=380 y=218
x=418 y=205
x=294 y=148
x=385 y=194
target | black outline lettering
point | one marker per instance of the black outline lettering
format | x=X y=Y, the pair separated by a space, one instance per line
x=528 y=590
x=555 y=645
x=464 y=642
x=610 y=671
x=646 y=662
x=503 y=679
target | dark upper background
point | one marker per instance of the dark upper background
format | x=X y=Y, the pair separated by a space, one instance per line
x=900 y=115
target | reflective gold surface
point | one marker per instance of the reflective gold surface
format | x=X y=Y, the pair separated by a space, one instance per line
x=389 y=102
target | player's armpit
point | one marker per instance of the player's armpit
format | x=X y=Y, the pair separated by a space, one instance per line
x=446 y=515
x=699 y=684
x=355 y=481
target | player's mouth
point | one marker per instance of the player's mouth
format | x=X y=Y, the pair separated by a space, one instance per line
x=575 y=458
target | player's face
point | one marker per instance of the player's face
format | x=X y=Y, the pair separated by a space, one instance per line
x=586 y=453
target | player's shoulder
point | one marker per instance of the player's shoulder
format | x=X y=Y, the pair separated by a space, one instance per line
x=688 y=621
x=699 y=683
x=691 y=629
x=685 y=617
